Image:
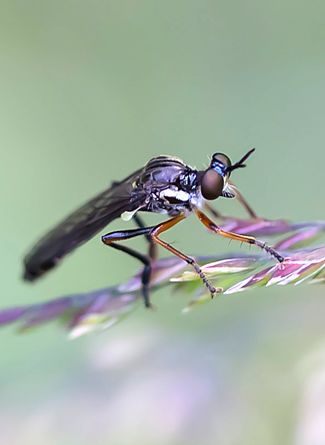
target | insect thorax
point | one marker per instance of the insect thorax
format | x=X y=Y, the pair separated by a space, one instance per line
x=171 y=188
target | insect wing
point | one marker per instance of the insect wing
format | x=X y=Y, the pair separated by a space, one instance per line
x=82 y=225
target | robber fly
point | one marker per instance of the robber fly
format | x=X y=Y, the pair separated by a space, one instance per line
x=164 y=185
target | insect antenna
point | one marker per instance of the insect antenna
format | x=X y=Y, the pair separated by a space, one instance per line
x=240 y=164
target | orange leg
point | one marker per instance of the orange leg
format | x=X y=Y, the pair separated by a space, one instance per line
x=162 y=227
x=152 y=233
x=243 y=238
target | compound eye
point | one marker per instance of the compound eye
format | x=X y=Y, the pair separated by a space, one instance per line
x=221 y=157
x=211 y=184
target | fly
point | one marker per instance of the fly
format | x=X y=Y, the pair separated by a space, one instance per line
x=164 y=185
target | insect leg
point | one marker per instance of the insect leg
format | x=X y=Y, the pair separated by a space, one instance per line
x=251 y=213
x=245 y=204
x=162 y=227
x=110 y=240
x=235 y=236
x=152 y=246
x=214 y=212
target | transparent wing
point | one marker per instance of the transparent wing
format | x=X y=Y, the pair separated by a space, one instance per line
x=82 y=225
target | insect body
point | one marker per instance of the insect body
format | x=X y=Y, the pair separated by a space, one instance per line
x=164 y=185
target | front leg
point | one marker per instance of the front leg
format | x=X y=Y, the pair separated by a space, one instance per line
x=235 y=236
x=251 y=213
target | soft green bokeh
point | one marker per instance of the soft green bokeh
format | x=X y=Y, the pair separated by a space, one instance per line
x=90 y=91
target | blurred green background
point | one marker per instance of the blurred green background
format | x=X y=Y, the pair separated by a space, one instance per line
x=89 y=92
